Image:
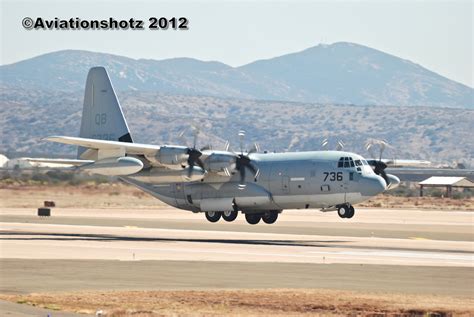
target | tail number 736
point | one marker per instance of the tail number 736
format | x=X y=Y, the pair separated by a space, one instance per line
x=333 y=176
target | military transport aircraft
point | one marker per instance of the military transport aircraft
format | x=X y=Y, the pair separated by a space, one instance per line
x=218 y=183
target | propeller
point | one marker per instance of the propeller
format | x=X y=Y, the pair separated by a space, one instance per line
x=325 y=144
x=378 y=165
x=194 y=155
x=340 y=145
x=243 y=161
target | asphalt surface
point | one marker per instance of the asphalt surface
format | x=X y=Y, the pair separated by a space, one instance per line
x=404 y=251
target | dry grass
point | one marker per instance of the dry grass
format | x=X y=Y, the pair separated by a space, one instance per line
x=118 y=195
x=286 y=302
x=387 y=201
x=107 y=195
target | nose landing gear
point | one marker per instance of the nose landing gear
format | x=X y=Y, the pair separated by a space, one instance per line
x=345 y=211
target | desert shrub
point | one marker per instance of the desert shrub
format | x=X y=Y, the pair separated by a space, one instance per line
x=436 y=193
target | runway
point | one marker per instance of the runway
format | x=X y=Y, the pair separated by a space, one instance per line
x=381 y=250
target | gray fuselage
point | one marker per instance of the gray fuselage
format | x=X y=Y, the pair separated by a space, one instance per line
x=286 y=181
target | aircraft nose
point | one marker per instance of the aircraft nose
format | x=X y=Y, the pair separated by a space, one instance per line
x=374 y=185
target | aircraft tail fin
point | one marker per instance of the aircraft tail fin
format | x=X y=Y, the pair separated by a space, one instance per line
x=102 y=116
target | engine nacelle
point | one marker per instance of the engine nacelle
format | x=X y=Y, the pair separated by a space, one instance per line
x=171 y=155
x=218 y=162
x=114 y=166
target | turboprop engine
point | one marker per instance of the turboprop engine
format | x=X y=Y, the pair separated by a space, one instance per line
x=172 y=156
x=114 y=166
x=220 y=162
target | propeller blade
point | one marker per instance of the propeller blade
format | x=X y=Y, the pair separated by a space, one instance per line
x=385 y=177
x=241 y=139
x=200 y=163
x=252 y=168
x=190 y=171
x=255 y=148
x=195 y=137
x=181 y=136
x=340 y=145
x=324 y=143
x=242 y=178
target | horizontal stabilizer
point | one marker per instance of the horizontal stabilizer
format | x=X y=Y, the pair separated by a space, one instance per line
x=49 y=161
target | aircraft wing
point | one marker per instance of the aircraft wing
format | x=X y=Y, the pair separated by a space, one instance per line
x=406 y=163
x=130 y=148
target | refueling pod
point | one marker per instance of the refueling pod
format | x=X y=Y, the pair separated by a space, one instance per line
x=114 y=166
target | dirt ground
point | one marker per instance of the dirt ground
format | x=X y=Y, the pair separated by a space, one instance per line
x=275 y=302
x=119 y=195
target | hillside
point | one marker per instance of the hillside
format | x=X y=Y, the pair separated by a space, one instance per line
x=436 y=134
x=341 y=73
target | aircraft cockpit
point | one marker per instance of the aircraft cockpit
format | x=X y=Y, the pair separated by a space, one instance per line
x=350 y=163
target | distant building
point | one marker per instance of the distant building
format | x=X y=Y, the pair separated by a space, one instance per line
x=18 y=163
x=448 y=182
x=3 y=160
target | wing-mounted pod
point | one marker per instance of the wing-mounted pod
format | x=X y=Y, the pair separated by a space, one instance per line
x=113 y=166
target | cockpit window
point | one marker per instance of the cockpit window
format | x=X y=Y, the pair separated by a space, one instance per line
x=365 y=162
x=346 y=162
x=340 y=163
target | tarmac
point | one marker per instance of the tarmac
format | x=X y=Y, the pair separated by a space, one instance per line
x=379 y=250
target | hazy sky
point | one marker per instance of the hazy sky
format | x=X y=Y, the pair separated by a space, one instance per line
x=436 y=34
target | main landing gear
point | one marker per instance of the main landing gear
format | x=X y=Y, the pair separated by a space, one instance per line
x=268 y=217
x=230 y=216
x=215 y=216
x=345 y=211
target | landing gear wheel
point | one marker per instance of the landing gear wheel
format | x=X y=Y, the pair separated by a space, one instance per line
x=351 y=212
x=230 y=215
x=253 y=219
x=343 y=211
x=270 y=216
x=213 y=216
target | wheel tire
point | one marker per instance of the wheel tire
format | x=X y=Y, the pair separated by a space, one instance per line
x=253 y=219
x=213 y=216
x=351 y=212
x=230 y=215
x=270 y=217
x=342 y=211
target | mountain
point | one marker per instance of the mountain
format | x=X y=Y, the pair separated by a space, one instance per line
x=435 y=134
x=340 y=73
